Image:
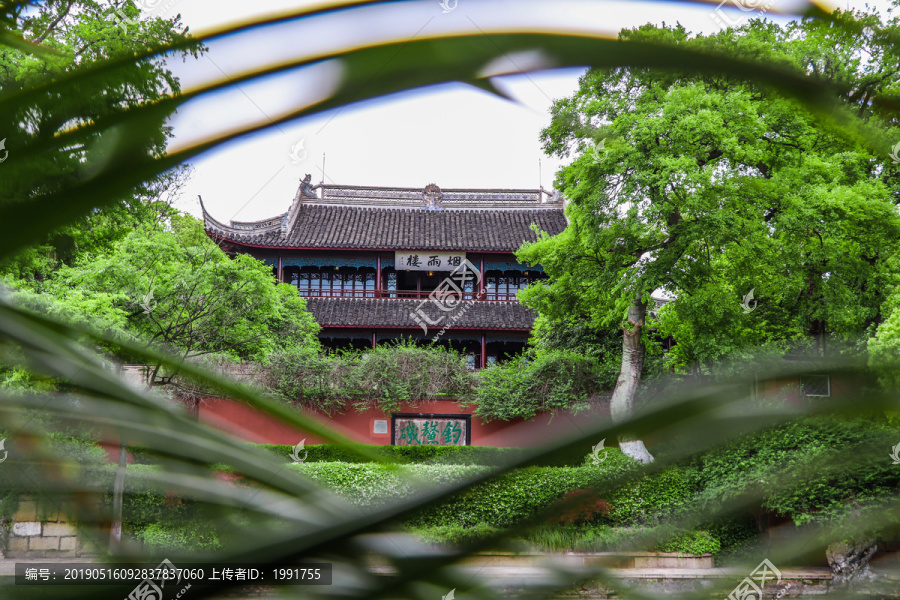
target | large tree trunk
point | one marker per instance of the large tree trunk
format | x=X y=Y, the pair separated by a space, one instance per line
x=621 y=406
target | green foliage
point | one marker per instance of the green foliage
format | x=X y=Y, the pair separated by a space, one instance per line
x=824 y=482
x=83 y=34
x=579 y=538
x=386 y=376
x=884 y=348
x=606 y=538
x=391 y=375
x=145 y=500
x=649 y=499
x=696 y=194
x=501 y=502
x=453 y=534
x=576 y=335
x=178 y=290
x=526 y=385
x=183 y=536
x=439 y=455
x=738 y=537
x=692 y=542
x=120 y=160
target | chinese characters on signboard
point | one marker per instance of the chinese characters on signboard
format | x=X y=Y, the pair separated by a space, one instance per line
x=434 y=431
x=428 y=261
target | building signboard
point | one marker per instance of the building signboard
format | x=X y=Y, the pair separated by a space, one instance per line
x=426 y=260
x=430 y=430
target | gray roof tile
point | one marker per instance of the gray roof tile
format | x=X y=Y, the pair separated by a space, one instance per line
x=395 y=312
x=377 y=228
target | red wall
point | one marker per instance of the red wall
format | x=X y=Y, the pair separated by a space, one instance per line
x=251 y=425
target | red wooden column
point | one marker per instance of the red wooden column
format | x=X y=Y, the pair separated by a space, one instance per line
x=374 y=339
x=280 y=269
x=377 y=284
x=481 y=282
x=483 y=349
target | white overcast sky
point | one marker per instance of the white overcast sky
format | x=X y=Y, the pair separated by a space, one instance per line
x=452 y=135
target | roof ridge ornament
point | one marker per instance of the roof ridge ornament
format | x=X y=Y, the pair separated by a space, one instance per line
x=307 y=189
x=432 y=195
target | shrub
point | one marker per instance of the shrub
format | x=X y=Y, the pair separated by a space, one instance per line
x=526 y=385
x=647 y=499
x=369 y=485
x=691 y=542
x=579 y=506
x=185 y=536
x=501 y=502
x=825 y=481
x=453 y=534
x=386 y=376
x=447 y=455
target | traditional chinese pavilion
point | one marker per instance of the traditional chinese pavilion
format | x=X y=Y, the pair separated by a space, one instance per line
x=377 y=264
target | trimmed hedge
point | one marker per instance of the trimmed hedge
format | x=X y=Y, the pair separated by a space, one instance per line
x=501 y=502
x=446 y=455
x=443 y=455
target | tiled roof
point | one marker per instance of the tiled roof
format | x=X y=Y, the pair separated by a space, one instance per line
x=393 y=312
x=367 y=227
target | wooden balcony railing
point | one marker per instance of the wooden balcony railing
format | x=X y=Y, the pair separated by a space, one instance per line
x=487 y=295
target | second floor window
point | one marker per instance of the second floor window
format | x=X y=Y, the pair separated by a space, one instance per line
x=343 y=282
x=503 y=285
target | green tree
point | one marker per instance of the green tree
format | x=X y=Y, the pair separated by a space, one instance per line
x=177 y=290
x=708 y=187
x=70 y=37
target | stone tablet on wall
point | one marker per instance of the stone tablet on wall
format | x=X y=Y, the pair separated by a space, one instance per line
x=430 y=430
